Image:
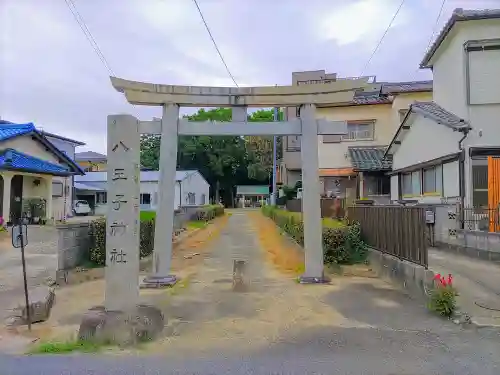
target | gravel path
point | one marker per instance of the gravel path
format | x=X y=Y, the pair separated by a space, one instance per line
x=353 y=326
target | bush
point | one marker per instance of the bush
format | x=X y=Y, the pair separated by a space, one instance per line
x=97 y=252
x=443 y=296
x=342 y=244
x=209 y=212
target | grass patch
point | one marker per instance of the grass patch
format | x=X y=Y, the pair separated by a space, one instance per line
x=198 y=224
x=62 y=347
x=147 y=215
x=333 y=223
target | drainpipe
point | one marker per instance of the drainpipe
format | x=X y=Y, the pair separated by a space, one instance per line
x=461 y=173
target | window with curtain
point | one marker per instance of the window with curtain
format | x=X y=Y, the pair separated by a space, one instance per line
x=416 y=188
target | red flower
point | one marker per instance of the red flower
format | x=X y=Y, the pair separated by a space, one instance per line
x=444 y=282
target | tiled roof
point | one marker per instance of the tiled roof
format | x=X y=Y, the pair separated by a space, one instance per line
x=9 y=130
x=89 y=155
x=12 y=159
x=369 y=158
x=458 y=15
x=403 y=87
x=439 y=114
x=370 y=99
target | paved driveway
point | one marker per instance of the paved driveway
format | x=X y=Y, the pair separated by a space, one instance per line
x=41 y=262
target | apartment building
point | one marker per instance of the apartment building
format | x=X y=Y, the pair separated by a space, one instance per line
x=352 y=166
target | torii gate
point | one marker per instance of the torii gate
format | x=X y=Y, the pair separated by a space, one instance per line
x=123 y=137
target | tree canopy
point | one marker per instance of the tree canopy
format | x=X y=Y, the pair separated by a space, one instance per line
x=225 y=161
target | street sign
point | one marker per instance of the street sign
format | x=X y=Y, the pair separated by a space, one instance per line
x=19 y=231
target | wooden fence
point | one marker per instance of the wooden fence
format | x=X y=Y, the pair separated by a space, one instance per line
x=395 y=230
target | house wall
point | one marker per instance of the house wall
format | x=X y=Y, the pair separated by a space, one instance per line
x=196 y=184
x=59 y=209
x=426 y=140
x=335 y=155
x=26 y=145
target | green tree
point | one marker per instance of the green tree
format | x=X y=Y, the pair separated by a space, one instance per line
x=225 y=161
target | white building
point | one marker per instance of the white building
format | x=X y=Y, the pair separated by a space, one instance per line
x=191 y=189
x=448 y=149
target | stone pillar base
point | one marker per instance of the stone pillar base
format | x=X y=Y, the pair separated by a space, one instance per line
x=159 y=282
x=141 y=324
x=314 y=280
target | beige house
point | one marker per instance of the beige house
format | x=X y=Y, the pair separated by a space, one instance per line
x=353 y=165
x=35 y=175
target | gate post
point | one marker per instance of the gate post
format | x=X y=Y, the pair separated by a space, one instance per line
x=162 y=254
x=311 y=206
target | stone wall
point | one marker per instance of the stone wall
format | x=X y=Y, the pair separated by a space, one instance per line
x=415 y=279
x=449 y=236
x=73 y=245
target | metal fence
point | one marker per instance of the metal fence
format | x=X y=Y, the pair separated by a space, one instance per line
x=481 y=219
x=395 y=230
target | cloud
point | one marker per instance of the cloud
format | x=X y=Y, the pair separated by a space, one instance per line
x=50 y=75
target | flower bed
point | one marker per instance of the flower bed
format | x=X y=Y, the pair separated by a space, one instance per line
x=443 y=296
x=342 y=243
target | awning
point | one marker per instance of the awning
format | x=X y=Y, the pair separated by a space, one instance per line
x=337 y=172
x=80 y=186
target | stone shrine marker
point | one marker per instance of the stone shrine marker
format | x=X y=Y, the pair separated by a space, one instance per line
x=122 y=219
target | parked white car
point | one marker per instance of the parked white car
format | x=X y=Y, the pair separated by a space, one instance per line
x=81 y=208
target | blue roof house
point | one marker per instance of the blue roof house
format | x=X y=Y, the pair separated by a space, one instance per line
x=31 y=166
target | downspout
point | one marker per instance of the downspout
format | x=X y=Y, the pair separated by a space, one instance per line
x=461 y=173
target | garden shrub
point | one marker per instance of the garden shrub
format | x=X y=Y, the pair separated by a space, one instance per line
x=342 y=244
x=97 y=252
x=209 y=212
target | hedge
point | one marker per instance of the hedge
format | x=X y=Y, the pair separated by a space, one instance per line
x=342 y=243
x=97 y=252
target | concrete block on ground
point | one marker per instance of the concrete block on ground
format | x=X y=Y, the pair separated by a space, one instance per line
x=142 y=324
x=41 y=300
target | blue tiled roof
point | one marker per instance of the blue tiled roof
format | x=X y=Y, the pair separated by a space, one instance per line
x=14 y=130
x=12 y=159
x=10 y=130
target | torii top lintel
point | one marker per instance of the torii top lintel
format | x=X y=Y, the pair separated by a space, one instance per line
x=335 y=93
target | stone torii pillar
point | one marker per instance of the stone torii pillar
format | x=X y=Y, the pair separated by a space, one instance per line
x=306 y=97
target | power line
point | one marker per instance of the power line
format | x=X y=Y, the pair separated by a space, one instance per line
x=434 y=29
x=83 y=26
x=214 y=42
x=383 y=36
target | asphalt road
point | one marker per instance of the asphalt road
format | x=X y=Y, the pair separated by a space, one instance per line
x=341 y=351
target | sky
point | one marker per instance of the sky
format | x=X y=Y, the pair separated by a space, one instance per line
x=50 y=74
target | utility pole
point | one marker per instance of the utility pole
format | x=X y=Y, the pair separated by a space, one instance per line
x=274 y=194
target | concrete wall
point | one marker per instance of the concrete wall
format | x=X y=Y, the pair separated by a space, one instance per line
x=409 y=276
x=449 y=236
x=73 y=245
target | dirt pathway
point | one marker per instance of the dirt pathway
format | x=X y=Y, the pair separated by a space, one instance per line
x=210 y=317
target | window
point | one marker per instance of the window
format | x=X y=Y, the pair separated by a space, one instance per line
x=101 y=197
x=203 y=199
x=406 y=184
x=415 y=183
x=145 y=198
x=57 y=189
x=377 y=185
x=433 y=180
x=483 y=79
x=332 y=138
x=480 y=183
x=191 y=198
x=358 y=131
x=402 y=114
x=293 y=143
